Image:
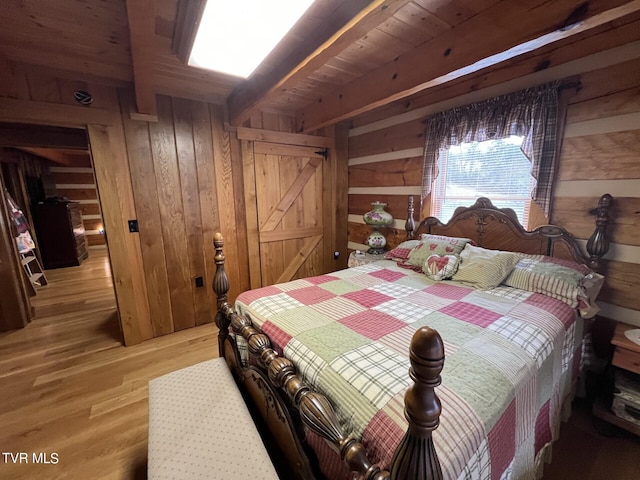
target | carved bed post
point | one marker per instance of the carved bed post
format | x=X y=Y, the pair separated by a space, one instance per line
x=410 y=224
x=221 y=287
x=598 y=243
x=416 y=456
x=315 y=410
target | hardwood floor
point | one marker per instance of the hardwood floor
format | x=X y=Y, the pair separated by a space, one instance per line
x=69 y=387
x=590 y=449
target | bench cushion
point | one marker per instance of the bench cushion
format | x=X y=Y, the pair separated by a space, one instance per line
x=199 y=427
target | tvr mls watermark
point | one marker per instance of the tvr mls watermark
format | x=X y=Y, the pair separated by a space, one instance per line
x=30 y=457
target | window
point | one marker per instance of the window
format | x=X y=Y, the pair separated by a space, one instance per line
x=234 y=36
x=496 y=169
x=503 y=148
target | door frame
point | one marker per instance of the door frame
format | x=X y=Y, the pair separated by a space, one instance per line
x=105 y=133
x=248 y=137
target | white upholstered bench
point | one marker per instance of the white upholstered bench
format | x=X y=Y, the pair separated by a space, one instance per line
x=200 y=428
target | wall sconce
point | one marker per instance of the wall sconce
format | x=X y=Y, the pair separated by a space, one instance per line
x=377 y=218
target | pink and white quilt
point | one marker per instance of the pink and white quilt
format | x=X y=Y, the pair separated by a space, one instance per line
x=511 y=358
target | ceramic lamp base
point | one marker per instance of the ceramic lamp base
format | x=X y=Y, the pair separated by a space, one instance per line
x=376 y=242
x=376 y=251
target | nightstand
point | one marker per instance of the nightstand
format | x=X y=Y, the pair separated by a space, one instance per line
x=627 y=353
x=357 y=258
x=626 y=358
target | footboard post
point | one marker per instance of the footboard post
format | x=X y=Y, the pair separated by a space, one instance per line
x=221 y=287
x=416 y=456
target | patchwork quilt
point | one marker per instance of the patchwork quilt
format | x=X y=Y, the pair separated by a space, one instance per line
x=510 y=359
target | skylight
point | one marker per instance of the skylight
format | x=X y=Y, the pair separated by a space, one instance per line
x=234 y=36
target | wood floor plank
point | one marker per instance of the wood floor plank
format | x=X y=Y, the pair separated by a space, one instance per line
x=68 y=385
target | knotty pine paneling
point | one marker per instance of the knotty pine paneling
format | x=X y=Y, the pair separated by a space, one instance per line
x=183 y=178
x=229 y=186
x=603 y=82
x=592 y=156
x=572 y=213
x=391 y=139
x=183 y=125
x=194 y=178
x=402 y=172
x=145 y=193
x=209 y=214
x=620 y=288
x=620 y=103
x=167 y=173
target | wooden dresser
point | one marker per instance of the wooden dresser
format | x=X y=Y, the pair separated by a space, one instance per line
x=61 y=235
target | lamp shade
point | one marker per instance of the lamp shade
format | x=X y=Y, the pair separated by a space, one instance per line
x=378 y=216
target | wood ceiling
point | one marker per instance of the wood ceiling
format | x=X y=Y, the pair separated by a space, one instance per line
x=344 y=58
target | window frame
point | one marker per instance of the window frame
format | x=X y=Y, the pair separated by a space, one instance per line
x=439 y=187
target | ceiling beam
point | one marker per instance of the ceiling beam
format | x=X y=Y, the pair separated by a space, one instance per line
x=353 y=20
x=142 y=21
x=492 y=37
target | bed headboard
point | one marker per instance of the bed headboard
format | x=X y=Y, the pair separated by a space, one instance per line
x=499 y=229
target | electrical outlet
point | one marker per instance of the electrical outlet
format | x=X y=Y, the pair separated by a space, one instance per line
x=199 y=282
x=133 y=226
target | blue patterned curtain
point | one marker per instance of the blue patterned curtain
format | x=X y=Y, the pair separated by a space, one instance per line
x=531 y=113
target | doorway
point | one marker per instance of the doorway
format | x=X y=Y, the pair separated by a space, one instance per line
x=48 y=172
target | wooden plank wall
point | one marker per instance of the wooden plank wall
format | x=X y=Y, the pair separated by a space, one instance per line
x=78 y=184
x=175 y=176
x=600 y=154
x=182 y=178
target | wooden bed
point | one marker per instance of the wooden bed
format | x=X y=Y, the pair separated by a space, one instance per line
x=286 y=406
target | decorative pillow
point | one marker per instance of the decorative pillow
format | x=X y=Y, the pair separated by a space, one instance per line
x=440 y=267
x=484 y=269
x=572 y=283
x=435 y=245
x=401 y=252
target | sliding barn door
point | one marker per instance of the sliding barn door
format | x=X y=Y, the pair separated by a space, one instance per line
x=286 y=211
